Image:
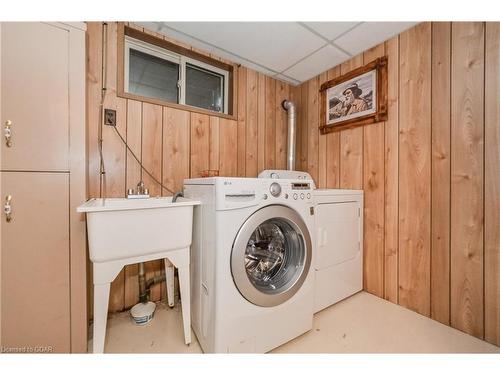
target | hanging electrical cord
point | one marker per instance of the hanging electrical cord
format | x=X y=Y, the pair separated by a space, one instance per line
x=140 y=164
x=102 y=169
x=101 y=117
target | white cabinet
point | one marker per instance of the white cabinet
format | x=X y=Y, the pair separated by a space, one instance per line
x=35 y=261
x=42 y=179
x=35 y=96
x=339 y=245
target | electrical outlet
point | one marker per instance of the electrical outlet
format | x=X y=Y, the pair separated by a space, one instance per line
x=110 y=117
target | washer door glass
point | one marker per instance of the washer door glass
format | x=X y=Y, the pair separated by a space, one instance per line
x=271 y=256
x=273 y=253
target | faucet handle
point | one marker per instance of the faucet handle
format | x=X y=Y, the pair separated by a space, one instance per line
x=140 y=187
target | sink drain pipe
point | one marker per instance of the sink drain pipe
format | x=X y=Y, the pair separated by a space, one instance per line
x=143 y=295
x=145 y=285
x=143 y=312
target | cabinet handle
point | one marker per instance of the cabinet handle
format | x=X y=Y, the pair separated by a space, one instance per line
x=7 y=208
x=7 y=132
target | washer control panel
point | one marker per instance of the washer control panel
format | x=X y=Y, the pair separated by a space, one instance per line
x=294 y=190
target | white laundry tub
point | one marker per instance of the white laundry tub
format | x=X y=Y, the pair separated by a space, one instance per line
x=121 y=228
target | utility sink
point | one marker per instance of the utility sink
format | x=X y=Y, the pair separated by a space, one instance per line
x=125 y=231
x=120 y=228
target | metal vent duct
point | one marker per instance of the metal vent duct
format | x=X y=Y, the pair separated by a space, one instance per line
x=289 y=106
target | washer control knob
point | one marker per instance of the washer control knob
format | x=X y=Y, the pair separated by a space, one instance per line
x=308 y=195
x=275 y=189
x=264 y=196
x=301 y=195
x=286 y=196
x=295 y=196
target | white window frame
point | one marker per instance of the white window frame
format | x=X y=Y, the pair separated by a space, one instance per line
x=176 y=58
x=150 y=49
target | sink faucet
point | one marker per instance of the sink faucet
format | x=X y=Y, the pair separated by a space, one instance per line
x=141 y=188
x=141 y=191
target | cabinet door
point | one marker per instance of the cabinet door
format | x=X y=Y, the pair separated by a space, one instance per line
x=338 y=236
x=35 y=261
x=35 y=96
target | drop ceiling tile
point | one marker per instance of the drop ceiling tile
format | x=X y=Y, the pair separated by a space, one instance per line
x=160 y=28
x=331 y=30
x=320 y=61
x=194 y=42
x=274 y=45
x=286 y=79
x=369 y=34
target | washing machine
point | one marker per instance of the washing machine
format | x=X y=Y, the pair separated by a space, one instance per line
x=252 y=264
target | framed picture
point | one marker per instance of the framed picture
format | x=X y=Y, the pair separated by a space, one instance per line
x=356 y=98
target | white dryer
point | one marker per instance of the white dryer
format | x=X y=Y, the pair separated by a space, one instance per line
x=252 y=266
x=339 y=245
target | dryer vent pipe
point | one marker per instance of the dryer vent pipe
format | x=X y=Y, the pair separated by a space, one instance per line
x=289 y=106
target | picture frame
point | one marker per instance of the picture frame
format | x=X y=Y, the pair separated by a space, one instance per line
x=356 y=98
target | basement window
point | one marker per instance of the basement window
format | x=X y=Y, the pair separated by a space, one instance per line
x=155 y=72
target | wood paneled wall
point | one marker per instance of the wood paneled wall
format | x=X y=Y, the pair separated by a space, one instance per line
x=175 y=144
x=430 y=173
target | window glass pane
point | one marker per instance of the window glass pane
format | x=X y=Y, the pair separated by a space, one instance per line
x=204 y=89
x=152 y=76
